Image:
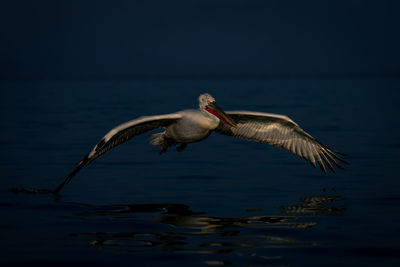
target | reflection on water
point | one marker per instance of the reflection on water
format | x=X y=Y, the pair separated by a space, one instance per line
x=315 y=205
x=175 y=228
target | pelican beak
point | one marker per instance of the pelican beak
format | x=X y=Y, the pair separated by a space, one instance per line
x=214 y=109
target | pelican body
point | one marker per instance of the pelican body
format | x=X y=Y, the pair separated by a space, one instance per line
x=189 y=126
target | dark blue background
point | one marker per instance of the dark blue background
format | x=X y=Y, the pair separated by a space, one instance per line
x=131 y=39
x=72 y=70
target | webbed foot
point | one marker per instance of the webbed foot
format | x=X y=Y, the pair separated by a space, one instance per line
x=181 y=147
x=163 y=150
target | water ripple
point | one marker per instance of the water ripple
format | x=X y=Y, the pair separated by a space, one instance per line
x=175 y=228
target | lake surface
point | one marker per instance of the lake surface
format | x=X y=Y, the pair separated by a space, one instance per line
x=223 y=201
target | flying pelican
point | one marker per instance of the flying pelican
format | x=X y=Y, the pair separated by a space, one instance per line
x=189 y=126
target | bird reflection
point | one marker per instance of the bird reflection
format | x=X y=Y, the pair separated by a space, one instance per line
x=176 y=228
x=317 y=204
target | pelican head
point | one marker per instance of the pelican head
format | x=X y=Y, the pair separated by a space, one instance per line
x=207 y=103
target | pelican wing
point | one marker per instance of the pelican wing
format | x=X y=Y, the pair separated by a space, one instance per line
x=279 y=130
x=119 y=135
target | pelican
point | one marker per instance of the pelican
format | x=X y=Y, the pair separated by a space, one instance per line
x=190 y=126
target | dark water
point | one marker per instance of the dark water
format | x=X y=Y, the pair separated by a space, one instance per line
x=223 y=201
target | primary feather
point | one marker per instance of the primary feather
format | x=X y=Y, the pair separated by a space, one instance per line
x=279 y=130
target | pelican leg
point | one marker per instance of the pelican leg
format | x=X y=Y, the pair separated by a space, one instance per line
x=163 y=150
x=162 y=141
x=181 y=147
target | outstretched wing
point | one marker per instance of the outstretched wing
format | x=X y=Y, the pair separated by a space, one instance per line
x=279 y=130
x=119 y=135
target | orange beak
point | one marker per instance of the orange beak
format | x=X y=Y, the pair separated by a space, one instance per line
x=214 y=109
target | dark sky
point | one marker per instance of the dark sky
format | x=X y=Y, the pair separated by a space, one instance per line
x=123 y=39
